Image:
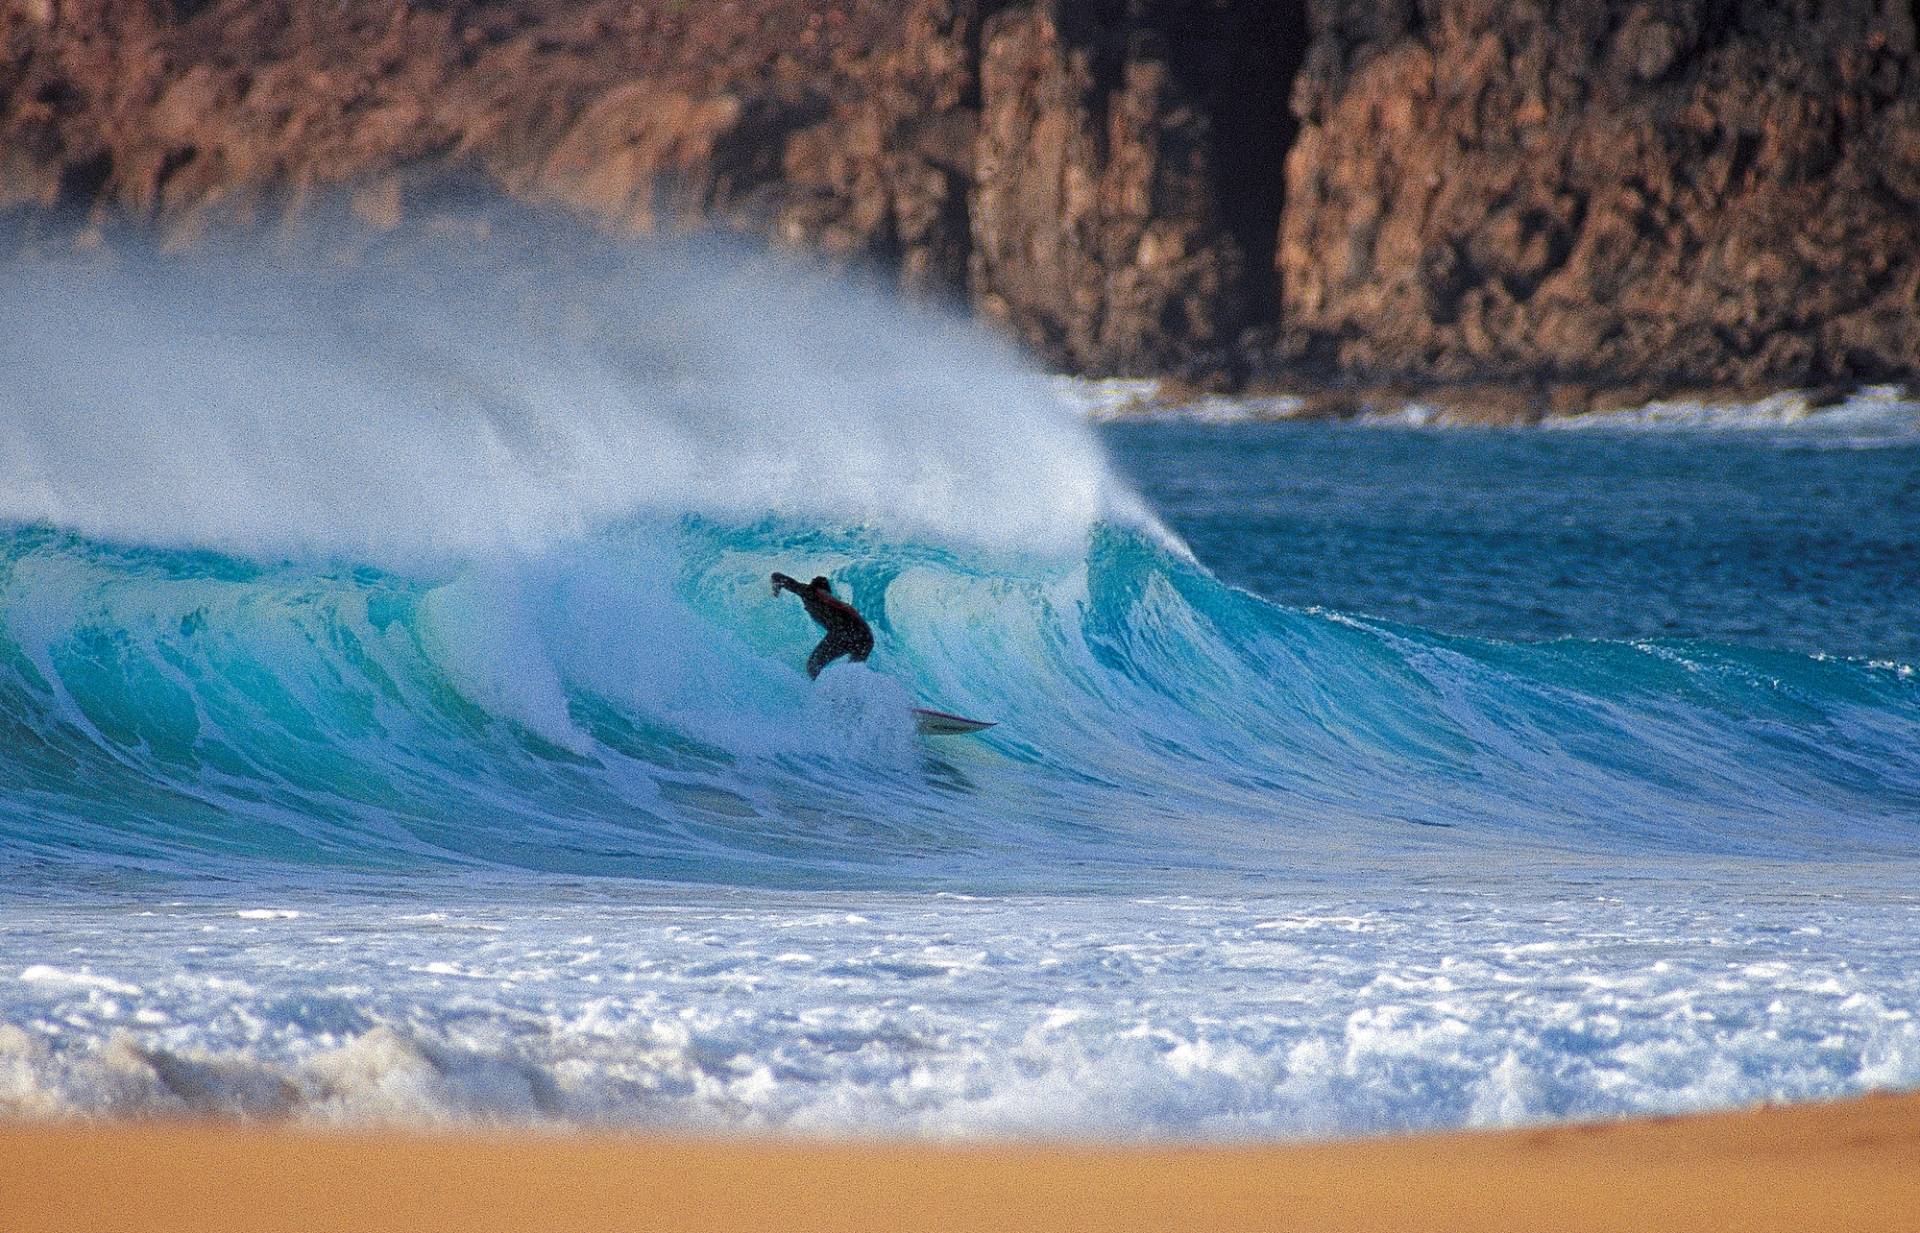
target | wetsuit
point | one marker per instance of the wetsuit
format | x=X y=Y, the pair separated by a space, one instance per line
x=847 y=631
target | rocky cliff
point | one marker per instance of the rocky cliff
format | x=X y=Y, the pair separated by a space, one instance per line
x=1714 y=193
x=1717 y=193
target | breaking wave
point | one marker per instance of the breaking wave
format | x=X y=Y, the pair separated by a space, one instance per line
x=427 y=561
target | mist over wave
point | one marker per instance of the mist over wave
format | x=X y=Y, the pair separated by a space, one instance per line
x=434 y=397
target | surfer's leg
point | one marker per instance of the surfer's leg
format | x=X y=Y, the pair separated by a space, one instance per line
x=837 y=643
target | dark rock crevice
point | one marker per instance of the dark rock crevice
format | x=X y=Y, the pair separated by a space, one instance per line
x=1238 y=63
x=82 y=180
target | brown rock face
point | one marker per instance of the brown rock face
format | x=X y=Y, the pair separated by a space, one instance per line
x=1417 y=192
x=1115 y=222
x=1618 y=189
x=1053 y=162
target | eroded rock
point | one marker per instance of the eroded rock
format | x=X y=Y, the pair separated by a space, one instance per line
x=1607 y=190
x=1606 y=193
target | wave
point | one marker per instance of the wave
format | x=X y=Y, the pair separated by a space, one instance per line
x=633 y=706
x=432 y=562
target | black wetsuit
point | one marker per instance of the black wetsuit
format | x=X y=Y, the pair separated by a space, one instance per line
x=847 y=631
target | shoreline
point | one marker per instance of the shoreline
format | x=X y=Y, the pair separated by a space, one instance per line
x=1484 y=405
x=1846 y=1165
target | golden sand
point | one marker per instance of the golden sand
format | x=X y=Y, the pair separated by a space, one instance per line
x=1852 y=1166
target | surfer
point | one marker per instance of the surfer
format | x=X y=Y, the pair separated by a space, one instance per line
x=847 y=631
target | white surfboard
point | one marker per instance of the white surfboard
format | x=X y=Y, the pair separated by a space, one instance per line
x=940 y=723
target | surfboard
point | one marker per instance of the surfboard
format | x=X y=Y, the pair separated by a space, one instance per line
x=940 y=723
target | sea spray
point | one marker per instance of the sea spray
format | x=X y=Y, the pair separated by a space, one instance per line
x=433 y=399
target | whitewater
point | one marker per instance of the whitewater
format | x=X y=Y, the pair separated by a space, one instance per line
x=398 y=728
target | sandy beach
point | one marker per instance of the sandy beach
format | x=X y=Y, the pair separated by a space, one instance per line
x=1852 y=1165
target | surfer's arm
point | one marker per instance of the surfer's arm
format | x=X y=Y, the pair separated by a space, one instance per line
x=783 y=583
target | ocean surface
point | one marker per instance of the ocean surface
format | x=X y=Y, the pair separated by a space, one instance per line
x=396 y=726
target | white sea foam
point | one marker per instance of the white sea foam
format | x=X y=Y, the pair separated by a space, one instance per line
x=1869 y=418
x=1877 y=415
x=1178 y=1017
x=1117 y=399
x=46 y=974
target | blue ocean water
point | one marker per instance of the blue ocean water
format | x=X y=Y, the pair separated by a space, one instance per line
x=395 y=724
x=1802 y=538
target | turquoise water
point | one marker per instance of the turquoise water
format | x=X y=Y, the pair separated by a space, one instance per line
x=195 y=714
x=395 y=724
